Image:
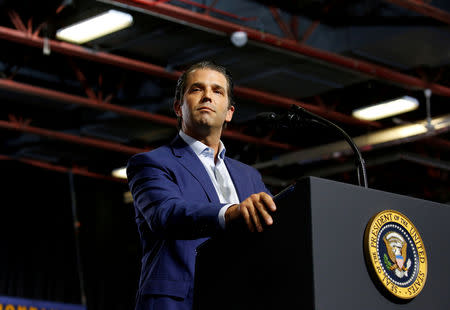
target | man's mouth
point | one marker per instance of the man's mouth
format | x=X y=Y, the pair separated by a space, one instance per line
x=206 y=109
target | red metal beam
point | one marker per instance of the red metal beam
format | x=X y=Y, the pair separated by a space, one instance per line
x=81 y=52
x=207 y=8
x=140 y=66
x=211 y=6
x=82 y=101
x=226 y=27
x=424 y=9
x=82 y=79
x=284 y=102
x=62 y=169
x=96 y=143
x=281 y=23
x=92 y=103
x=17 y=21
x=310 y=30
x=294 y=26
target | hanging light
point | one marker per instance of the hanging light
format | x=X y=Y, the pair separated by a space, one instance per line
x=95 y=27
x=387 y=109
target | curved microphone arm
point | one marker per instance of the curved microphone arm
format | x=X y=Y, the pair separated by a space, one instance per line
x=298 y=115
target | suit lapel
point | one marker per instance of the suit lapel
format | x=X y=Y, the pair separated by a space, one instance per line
x=188 y=159
x=242 y=188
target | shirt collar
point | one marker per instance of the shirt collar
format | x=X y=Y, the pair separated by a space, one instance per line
x=199 y=147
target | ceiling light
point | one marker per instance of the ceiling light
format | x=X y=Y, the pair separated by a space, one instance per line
x=375 y=140
x=239 y=38
x=120 y=173
x=387 y=109
x=95 y=27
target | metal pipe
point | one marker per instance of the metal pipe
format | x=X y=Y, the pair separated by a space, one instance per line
x=83 y=101
x=140 y=66
x=97 y=143
x=76 y=232
x=281 y=23
x=424 y=9
x=373 y=70
x=88 y=54
x=57 y=168
x=91 y=103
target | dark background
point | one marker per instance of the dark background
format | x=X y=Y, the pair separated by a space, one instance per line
x=82 y=111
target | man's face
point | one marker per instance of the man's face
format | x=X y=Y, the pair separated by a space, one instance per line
x=205 y=105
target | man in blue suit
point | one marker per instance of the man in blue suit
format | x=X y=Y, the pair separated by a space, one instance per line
x=189 y=190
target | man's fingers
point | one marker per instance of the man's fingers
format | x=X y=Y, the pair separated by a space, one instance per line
x=253 y=211
x=262 y=210
x=246 y=215
x=265 y=204
x=268 y=201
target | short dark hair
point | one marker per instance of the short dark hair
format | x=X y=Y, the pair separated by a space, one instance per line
x=206 y=64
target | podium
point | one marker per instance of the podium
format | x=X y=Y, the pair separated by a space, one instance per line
x=313 y=256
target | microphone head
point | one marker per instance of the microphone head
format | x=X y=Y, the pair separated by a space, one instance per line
x=266 y=117
x=292 y=119
x=273 y=120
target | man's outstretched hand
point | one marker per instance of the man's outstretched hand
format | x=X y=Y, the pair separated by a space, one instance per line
x=255 y=211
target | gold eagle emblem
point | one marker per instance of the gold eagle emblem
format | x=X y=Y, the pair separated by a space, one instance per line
x=396 y=249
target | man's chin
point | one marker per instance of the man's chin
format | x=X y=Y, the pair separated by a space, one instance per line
x=206 y=124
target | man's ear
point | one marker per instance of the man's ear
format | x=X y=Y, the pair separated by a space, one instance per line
x=177 y=108
x=229 y=115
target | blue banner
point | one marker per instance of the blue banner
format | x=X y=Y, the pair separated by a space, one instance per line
x=14 y=303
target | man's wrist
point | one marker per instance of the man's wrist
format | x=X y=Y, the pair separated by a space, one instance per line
x=222 y=212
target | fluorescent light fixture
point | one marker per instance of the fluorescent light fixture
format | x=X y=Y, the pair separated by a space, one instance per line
x=387 y=109
x=95 y=27
x=120 y=173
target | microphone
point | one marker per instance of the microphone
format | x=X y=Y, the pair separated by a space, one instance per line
x=290 y=119
x=272 y=120
x=297 y=117
x=267 y=117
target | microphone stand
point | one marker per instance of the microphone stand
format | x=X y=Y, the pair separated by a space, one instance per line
x=298 y=115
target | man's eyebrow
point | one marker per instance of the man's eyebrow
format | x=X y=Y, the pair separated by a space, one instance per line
x=197 y=84
x=218 y=86
x=200 y=84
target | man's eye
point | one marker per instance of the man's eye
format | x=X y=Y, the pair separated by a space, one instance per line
x=218 y=92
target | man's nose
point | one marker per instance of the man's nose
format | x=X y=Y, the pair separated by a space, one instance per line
x=207 y=95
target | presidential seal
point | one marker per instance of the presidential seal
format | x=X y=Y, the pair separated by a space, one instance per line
x=395 y=254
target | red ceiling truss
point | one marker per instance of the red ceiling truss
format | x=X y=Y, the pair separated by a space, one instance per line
x=360 y=66
x=96 y=143
x=75 y=170
x=93 y=103
x=151 y=69
x=25 y=35
x=423 y=8
x=282 y=24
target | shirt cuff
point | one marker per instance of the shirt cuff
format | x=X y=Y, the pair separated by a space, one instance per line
x=222 y=214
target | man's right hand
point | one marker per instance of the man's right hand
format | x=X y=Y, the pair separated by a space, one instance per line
x=255 y=211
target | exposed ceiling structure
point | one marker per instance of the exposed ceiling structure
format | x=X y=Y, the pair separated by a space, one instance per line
x=88 y=108
x=70 y=114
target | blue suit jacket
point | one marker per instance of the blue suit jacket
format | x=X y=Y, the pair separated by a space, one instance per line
x=177 y=209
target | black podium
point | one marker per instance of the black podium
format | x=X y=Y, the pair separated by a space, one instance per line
x=313 y=256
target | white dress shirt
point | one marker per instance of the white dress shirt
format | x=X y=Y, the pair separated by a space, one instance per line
x=218 y=173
